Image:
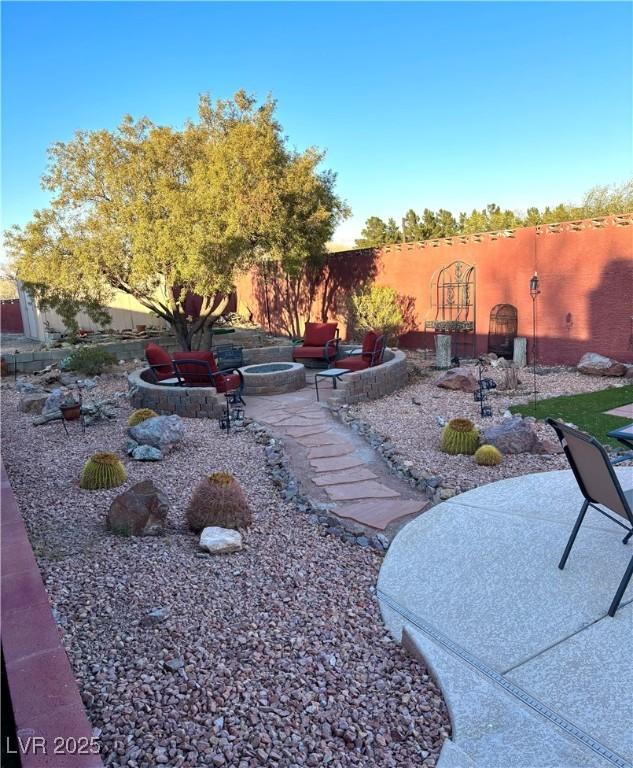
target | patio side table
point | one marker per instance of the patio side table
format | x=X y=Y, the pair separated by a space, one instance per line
x=623 y=435
x=330 y=373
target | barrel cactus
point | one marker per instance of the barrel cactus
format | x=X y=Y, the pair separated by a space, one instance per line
x=103 y=470
x=459 y=436
x=219 y=501
x=141 y=415
x=488 y=456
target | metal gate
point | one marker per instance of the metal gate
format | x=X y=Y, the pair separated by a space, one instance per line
x=502 y=330
x=453 y=306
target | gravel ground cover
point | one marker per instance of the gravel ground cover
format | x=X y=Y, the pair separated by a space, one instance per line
x=410 y=416
x=275 y=655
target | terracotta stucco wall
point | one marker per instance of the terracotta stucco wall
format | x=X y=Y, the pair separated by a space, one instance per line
x=586 y=281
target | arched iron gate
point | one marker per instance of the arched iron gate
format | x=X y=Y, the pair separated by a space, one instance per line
x=502 y=330
x=453 y=306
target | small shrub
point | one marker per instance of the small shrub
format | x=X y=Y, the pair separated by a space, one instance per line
x=378 y=308
x=90 y=361
x=141 y=415
x=103 y=470
x=218 y=500
x=459 y=436
x=488 y=456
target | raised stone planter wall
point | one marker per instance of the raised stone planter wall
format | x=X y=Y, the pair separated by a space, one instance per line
x=192 y=402
x=372 y=383
x=28 y=362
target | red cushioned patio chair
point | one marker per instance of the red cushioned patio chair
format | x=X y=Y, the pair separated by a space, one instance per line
x=160 y=364
x=601 y=488
x=193 y=369
x=371 y=353
x=320 y=342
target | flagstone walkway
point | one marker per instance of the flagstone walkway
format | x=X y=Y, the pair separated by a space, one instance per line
x=336 y=466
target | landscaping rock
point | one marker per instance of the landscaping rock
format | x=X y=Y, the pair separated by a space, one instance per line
x=220 y=540
x=33 y=403
x=146 y=453
x=458 y=378
x=161 y=432
x=54 y=400
x=155 y=616
x=593 y=364
x=140 y=511
x=515 y=435
x=628 y=374
x=27 y=388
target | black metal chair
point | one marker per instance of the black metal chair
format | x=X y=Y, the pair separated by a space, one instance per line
x=599 y=485
x=199 y=373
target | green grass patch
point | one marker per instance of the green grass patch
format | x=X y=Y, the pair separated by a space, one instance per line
x=586 y=411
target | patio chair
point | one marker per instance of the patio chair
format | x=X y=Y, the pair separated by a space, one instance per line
x=320 y=342
x=371 y=354
x=193 y=369
x=199 y=369
x=599 y=485
x=160 y=364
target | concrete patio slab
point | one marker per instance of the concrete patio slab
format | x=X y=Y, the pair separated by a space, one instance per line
x=588 y=677
x=346 y=476
x=626 y=411
x=335 y=463
x=509 y=734
x=556 y=493
x=491 y=582
x=380 y=514
x=367 y=489
x=478 y=576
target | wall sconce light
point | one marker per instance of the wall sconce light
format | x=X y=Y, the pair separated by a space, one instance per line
x=534 y=283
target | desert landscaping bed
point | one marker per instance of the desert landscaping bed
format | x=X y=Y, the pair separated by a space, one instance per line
x=274 y=655
x=412 y=420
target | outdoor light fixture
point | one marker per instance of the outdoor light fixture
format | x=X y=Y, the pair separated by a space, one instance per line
x=534 y=289
x=534 y=292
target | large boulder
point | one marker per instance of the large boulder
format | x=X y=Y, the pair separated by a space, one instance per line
x=162 y=432
x=33 y=403
x=514 y=435
x=594 y=364
x=140 y=511
x=219 y=541
x=458 y=378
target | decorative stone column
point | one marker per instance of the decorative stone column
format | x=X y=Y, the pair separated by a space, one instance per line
x=442 y=351
x=519 y=356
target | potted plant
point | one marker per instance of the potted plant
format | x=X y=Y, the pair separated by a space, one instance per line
x=71 y=409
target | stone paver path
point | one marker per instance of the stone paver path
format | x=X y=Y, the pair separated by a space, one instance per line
x=334 y=465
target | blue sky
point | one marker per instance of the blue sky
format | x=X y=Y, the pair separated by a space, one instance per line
x=418 y=105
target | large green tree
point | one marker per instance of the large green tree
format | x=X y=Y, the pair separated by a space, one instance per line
x=162 y=214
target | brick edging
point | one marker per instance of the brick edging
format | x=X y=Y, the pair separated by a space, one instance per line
x=46 y=703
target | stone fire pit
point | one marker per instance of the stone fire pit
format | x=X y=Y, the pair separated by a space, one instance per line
x=273 y=378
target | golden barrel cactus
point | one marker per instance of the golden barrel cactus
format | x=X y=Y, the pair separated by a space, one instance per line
x=488 y=456
x=459 y=436
x=103 y=470
x=141 y=415
x=219 y=501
